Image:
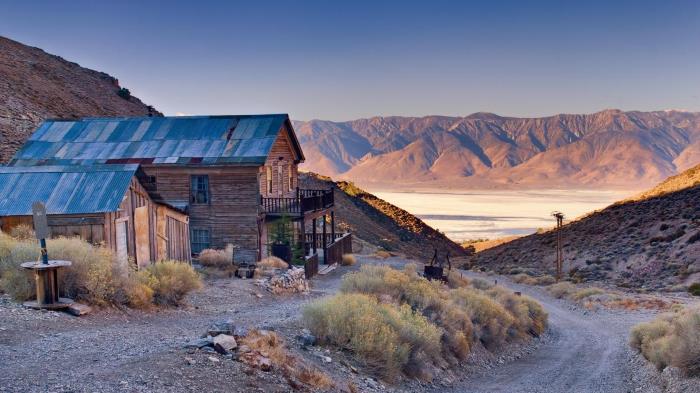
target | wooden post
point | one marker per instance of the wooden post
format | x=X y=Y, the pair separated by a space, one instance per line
x=313 y=234
x=324 y=242
x=302 y=234
x=332 y=226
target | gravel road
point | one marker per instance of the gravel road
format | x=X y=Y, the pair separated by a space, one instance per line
x=587 y=352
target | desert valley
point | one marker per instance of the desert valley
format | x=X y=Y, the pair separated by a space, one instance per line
x=248 y=252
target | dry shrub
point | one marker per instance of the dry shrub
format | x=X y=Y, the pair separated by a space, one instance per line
x=23 y=232
x=385 y=336
x=273 y=263
x=523 y=278
x=562 y=289
x=269 y=344
x=382 y=254
x=364 y=318
x=480 y=283
x=170 y=281
x=671 y=340
x=348 y=260
x=545 y=280
x=220 y=259
x=587 y=292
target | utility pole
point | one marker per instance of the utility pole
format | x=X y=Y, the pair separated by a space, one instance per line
x=560 y=252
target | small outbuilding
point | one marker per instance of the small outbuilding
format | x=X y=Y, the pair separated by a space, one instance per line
x=102 y=204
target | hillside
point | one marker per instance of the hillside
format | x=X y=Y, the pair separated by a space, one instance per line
x=651 y=241
x=611 y=148
x=35 y=85
x=382 y=224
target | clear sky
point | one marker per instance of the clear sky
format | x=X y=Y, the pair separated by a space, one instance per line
x=342 y=60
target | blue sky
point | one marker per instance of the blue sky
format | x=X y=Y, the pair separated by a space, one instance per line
x=351 y=59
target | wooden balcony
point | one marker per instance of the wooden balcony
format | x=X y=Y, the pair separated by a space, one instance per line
x=304 y=203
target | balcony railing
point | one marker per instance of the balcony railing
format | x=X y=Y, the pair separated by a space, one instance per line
x=305 y=201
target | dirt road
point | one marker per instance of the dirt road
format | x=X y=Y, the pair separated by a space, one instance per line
x=586 y=353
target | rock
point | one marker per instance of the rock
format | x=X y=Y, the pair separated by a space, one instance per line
x=306 y=338
x=190 y=361
x=78 y=309
x=219 y=328
x=199 y=343
x=213 y=359
x=223 y=343
x=265 y=364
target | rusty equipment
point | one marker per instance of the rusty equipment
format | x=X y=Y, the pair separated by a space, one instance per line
x=435 y=270
x=45 y=271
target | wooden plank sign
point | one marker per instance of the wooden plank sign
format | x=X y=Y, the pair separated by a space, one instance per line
x=41 y=223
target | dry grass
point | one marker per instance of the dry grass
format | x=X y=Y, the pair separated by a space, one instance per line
x=93 y=276
x=348 y=260
x=220 y=259
x=426 y=323
x=270 y=345
x=523 y=278
x=671 y=340
x=273 y=263
x=23 y=232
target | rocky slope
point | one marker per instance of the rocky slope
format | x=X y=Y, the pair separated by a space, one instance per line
x=609 y=148
x=651 y=241
x=35 y=85
x=382 y=224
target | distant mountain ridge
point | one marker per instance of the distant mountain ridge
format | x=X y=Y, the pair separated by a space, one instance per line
x=610 y=148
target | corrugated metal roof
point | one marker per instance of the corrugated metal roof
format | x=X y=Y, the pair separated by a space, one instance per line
x=64 y=190
x=213 y=139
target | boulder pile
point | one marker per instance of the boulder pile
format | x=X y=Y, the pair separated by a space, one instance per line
x=290 y=281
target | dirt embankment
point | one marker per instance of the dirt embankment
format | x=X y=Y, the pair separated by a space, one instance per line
x=383 y=224
x=35 y=86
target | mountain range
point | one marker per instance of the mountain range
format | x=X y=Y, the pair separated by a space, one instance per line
x=607 y=149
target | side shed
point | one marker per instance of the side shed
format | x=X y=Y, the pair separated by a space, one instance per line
x=102 y=204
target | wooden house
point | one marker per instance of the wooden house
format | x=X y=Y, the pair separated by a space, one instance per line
x=234 y=176
x=103 y=204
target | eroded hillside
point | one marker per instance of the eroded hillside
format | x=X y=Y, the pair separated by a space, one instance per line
x=35 y=85
x=651 y=241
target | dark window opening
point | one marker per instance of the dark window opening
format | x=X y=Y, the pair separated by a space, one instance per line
x=199 y=192
x=200 y=240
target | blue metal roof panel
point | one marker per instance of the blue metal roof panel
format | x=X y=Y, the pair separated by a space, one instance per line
x=249 y=138
x=64 y=189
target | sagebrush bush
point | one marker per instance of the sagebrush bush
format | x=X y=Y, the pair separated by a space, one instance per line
x=93 y=276
x=562 y=289
x=386 y=336
x=220 y=259
x=170 y=281
x=587 y=292
x=348 y=260
x=523 y=278
x=671 y=340
x=694 y=289
x=273 y=263
x=461 y=314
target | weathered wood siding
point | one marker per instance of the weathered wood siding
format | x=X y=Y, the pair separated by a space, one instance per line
x=101 y=228
x=282 y=164
x=232 y=214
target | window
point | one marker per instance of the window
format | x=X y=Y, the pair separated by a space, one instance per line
x=280 y=180
x=199 y=192
x=269 y=179
x=200 y=240
x=290 y=172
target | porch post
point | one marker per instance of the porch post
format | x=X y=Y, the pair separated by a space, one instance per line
x=302 y=235
x=332 y=226
x=313 y=234
x=325 y=243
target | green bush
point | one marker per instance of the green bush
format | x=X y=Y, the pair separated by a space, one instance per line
x=170 y=281
x=562 y=289
x=694 y=289
x=671 y=340
x=124 y=93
